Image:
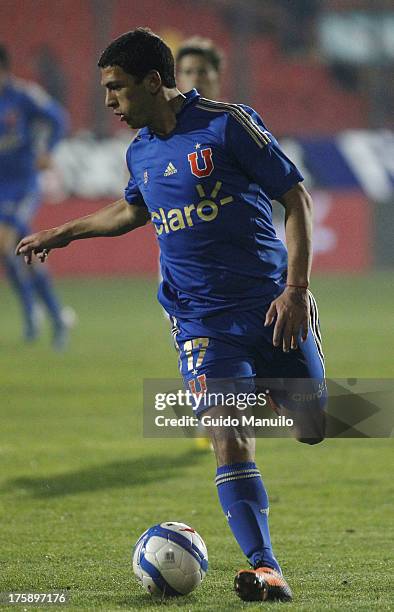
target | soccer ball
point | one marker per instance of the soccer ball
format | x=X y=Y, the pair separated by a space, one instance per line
x=170 y=559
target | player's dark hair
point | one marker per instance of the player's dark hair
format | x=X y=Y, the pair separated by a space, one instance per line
x=137 y=53
x=4 y=57
x=208 y=51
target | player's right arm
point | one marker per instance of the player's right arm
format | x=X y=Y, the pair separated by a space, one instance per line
x=113 y=220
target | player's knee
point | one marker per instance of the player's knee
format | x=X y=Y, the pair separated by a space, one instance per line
x=308 y=419
x=311 y=428
x=236 y=448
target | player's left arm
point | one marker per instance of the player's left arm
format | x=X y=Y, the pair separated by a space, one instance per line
x=291 y=309
x=260 y=156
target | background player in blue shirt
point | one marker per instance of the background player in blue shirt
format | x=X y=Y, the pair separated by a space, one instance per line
x=204 y=174
x=26 y=113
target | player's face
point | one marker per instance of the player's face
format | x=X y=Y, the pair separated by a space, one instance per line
x=196 y=71
x=129 y=100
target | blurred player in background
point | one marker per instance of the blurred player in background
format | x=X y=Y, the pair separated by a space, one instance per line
x=199 y=65
x=31 y=124
x=204 y=173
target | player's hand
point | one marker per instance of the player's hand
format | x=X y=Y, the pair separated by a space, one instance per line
x=40 y=244
x=291 y=311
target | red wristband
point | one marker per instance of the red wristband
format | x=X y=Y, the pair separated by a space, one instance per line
x=297 y=286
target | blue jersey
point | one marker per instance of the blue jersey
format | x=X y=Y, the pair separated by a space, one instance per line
x=23 y=107
x=208 y=186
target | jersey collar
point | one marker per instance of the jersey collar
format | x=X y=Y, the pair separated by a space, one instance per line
x=190 y=97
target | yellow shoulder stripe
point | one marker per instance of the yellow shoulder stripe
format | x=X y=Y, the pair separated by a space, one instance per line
x=260 y=137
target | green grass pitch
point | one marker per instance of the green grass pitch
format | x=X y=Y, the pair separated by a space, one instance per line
x=79 y=483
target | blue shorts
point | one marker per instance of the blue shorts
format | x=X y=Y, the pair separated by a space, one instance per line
x=233 y=350
x=19 y=213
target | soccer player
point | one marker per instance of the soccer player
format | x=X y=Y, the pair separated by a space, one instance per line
x=26 y=113
x=199 y=65
x=204 y=174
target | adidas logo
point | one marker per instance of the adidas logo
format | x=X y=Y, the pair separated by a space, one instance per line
x=170 y=169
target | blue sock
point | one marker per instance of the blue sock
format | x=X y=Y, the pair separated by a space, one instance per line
x=21 y=282
x=245 y=503
x=44 y=288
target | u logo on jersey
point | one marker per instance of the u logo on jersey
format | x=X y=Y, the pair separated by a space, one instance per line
x=202 y=381
x=195 y=162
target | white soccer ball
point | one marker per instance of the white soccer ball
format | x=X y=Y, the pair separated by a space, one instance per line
x=170 y=559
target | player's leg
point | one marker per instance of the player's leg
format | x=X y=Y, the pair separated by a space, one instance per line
x=241 y=490
x=244 y=501
x=205 y=362
x=17 y=274
x=298 y=389
x=40 y=278
x=44 y=288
